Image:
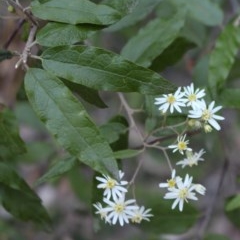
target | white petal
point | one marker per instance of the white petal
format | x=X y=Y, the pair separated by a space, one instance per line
x=181 y=205
x=175 y=203
x=163 y=185
x=218 y=117
x=214 y=123
x=115 y=218
x=177 y=108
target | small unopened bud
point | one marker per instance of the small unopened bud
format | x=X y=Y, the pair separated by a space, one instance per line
x=194 y=123
x=207 y=128
x=11 y=9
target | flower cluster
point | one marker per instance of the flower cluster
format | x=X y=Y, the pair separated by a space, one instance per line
x=199 y=115
x=181 y=190
x=202 y=113
x=117 y=208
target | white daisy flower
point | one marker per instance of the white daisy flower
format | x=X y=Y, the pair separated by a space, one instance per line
x=171 y=183
x=192 y=158
x=181 y=145
x=207 y=114
x=193 y=96
x=141 y=214
x=112 y=187
x=182 y=192
x=172 y=101
x=120 y=210
x=101 y=211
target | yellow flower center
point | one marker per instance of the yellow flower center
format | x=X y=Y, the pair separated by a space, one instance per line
x=119 y=208
x=183 y=193
x=182 y=145
x=111 y=183
x=171 y=99
x=206 y=115
x=192 y=97
x=171 y=183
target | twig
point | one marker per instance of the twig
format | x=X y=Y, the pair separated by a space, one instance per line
x=14 y=33
x=136 y=171
x=130 y=112
x=165 y=138
x=26 y=50
x=25 y=11
x=163 y=149
x=30 y=41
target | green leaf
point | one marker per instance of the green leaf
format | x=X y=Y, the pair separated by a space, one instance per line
x=138 y=10
x=19 y=200
x=57 y=34
x=230 y=98
x=233 y=203
x=127 y=153
x=112 y=130
x=172 y=54
x=121 y=142
x=5 y=54
x=59 y=168
x=81 y=185
x=37 y=151
x=10 y=142
x=150 y=107
x=75 y=12
x=204 y=11
x=153 y=39
x=123 y=6
x=67 y=120
x=200 y=72
x=103 y=70
x=150 y=124
x=88 y=94
x=222 y=57
x=194 y=32
x=234 y=73
x=232 y=209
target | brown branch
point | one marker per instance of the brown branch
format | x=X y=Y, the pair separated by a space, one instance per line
x=25 y=11
x=171 y=136
x=14 y=33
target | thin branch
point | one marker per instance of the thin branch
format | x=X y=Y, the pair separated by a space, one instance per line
x=26 y=50
x=25 y=11
x=168 y=137
x=14 y=33
x=163 y=149
x=136 y=171
x=130 y=112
